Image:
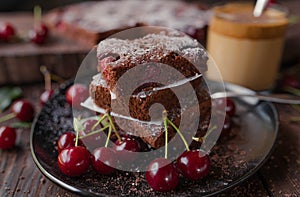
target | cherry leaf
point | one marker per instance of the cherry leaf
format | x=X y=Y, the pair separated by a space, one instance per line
x=8 y=95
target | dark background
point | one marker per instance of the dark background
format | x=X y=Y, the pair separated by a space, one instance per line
x=20 y=5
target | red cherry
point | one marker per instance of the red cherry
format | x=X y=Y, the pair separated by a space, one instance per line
x=76 y=94
x=67 y=140
x=226 y=104
x=271 y=2
x=125 y=147
x=74 y=161
x=89 y=124
x=194 y=164
x=196 y=33
x=230 y=107
x=290 y=81
x=7 y=31
x=227 y=125
x=103 y=160
x=161 y=175
x=7 y=137
x=45 y=96
x=23 y=110
x=39 y=34
x=95 y=140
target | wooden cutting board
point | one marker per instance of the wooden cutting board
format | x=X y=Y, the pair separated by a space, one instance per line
x=20 y=61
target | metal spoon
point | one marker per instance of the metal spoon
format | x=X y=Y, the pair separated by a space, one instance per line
x=259 y=7
x=277 y=98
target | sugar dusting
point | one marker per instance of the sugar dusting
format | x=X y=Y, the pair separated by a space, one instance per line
x=158 y=45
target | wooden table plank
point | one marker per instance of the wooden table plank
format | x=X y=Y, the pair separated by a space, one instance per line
x=282 y=171
x=60 y=55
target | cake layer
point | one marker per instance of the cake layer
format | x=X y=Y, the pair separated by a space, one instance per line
x=150 y=57
x=153 y=132
x=138 y=104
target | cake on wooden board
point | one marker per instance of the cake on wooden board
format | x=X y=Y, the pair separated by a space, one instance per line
x=91 y=22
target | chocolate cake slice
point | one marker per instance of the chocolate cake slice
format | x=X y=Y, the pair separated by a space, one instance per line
x=182 y=94
x=92 y=21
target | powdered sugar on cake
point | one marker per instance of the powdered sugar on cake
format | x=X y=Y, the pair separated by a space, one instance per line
x=157 y=45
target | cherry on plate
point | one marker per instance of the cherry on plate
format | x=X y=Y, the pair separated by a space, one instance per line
x=67 y=140
x=45 y=96
x=162 y=175
x=230 y=107
x=103 y=160
x=125 y=148
x=74 y=161
x=194 y=164
x=76 y=94
x=7 y=137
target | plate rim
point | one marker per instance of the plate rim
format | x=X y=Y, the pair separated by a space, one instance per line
x=74 y=189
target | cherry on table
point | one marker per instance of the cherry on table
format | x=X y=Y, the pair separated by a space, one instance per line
x=76 y=94
x=7 y=137
x=67 y=140
x=45 y=96
x=193 y=164
x=23 y=110
x=7 y=31
x=103 y=160
x=74 y=161
x=162 y=175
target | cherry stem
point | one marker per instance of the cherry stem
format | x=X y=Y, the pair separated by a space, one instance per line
x=94 y=132
x=202 y=139
x=76 y=139
x=37 y=14
x=113 y=127
x=99 y=121
x=7 y=117
x=179 y=133
x=108 y=136
x=166 y=137
x=57 y=78
x=47 y=77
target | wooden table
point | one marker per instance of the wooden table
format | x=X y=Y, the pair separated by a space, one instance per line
x=279 y=176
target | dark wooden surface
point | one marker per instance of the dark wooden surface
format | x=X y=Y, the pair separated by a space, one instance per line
x=279 y=176
x=20 y=60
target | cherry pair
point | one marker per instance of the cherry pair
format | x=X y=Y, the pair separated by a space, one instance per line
x=37 y=35
x=23 y=110
x=162 y=175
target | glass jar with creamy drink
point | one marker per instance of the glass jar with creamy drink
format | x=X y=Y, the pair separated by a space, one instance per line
x=247 y=49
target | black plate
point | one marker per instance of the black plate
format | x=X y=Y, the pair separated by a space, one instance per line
x=234 y=158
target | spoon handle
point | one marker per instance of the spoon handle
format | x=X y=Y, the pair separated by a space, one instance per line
x=259 y=7
x=276 y=98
